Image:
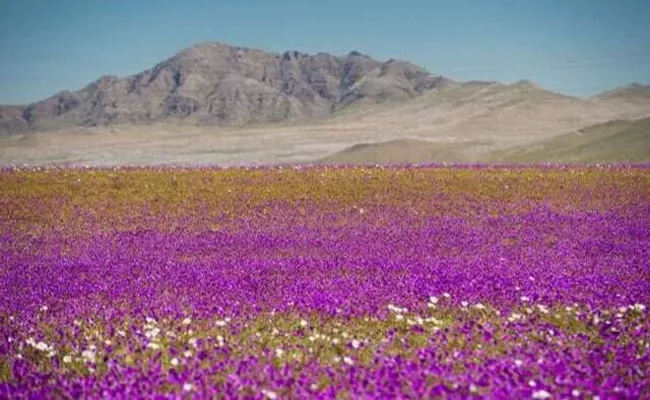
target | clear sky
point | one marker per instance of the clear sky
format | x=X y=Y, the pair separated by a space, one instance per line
x=577 y=47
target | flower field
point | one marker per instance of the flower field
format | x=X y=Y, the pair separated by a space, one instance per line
x=323 y=282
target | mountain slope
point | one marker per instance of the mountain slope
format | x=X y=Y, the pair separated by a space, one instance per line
x=400 y=151
x=634 y=92
x=11 y=120
x=213 y=83
x=510 y=114
x=614 y=141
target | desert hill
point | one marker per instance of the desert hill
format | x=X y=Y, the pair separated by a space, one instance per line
x=614 y=141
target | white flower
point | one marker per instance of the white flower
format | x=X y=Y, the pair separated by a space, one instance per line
x=575 y=393
x=514 y=317
x=153 y=346
x=639 y=307
x=433 y=300
x=187 y=354
x=188 y=387
x=541 y=394
x=42 y=346
x=446 y=295
x=152 y=333
x=88 y=355
x=304 y=323
x=121 y=333
x=270 y=394
x=479 y=306
x=348 y=360
x=399 y=317
x=67 y=359
x=519 y=363
x=187 y=321
x=472 y=388
x=279 y=352
x=220 y=323
x=174 y=361
x=356 y=344
x=397 y=309
x=43 y=308
x=150 y=320
x=532 y=383
x=337 y=359
x=192 y=341
x=524 y=298
x=464 y=303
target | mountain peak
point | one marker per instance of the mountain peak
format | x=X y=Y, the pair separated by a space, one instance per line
x=636 y=85
x=293 y=55
x=355 y=53
x=634 y=92
x=525 y=84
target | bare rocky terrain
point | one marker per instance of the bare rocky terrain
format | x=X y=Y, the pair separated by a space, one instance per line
x=217 y=104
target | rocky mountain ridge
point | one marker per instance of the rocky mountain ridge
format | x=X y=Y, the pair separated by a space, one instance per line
x=214 y=83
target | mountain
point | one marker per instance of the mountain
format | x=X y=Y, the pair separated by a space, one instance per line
x=11 y=120
x=506 y=114
x=633 y=93
x=217 y=84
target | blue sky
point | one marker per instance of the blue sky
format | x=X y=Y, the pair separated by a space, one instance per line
x=578 y=47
